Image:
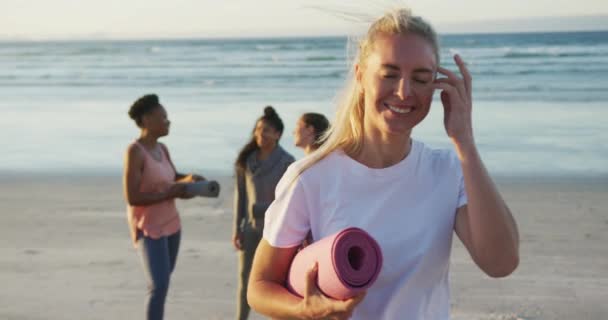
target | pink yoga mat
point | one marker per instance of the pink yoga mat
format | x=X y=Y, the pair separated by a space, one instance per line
x=349 y=262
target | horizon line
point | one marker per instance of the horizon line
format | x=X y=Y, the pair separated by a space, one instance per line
x=268 y=37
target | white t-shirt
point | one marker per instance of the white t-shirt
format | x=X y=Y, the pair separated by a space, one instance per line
x=409 y=208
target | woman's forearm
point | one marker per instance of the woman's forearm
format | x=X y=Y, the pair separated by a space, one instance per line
x=148 y=198
x=273 y=300
x=493 y=229
x=266 y=291
x=239 y=202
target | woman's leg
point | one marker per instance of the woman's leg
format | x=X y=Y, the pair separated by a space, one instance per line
x=156 y=260
x=173 y=243
x=251 y=238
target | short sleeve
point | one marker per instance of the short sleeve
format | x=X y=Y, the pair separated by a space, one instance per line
x=462 y=193
x=287 y=219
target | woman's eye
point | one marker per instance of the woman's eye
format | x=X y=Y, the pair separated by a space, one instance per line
x=421 y=81
x=389 y=76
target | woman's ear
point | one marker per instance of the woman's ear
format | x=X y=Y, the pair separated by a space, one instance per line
x=310 y=129
x=277 y=135
x=359 y=75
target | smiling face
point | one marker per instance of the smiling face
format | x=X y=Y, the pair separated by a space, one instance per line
x=303 y=135
x=156 y=121
x=397 y=83
x=266 y=136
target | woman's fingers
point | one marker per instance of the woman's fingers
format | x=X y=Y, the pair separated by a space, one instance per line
x=311 y=281
x=463 y=84
x=466 y=75
x=449 y=74
x=450 y=97
x=324 y=307
x=236 y=241
x=453 y=80
x=447 y=86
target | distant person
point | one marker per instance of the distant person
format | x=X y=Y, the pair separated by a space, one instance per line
x=259 y=167
x=309 y=131
x=151 y=184
x=371 y=174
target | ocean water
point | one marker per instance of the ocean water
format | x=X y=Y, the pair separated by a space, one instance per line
x=540 y=99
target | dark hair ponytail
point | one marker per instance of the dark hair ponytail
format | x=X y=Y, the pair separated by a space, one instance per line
x=271 y=118
x=319 y=123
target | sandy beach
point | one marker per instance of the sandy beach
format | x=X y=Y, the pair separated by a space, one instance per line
x=66 y=254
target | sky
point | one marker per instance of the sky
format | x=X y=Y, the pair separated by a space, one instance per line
x=65 y=19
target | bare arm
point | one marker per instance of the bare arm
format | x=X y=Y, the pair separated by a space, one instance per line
x=239 y=209
x=134 y=160
x=485 y=225
x=267 y=294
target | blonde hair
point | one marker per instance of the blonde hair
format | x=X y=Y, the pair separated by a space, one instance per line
x=346 y=132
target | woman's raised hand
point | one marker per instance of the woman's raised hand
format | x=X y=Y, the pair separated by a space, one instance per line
x=456 y=96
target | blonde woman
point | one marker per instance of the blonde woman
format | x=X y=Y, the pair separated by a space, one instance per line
x=309 y=131
x=371 y=174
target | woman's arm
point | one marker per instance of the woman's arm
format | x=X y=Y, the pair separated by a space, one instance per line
x=267 y=295
x=134 y=160
x=485 y=225
x=239 y=209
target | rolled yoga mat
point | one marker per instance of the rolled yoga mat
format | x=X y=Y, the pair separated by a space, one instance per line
x=206 y=188
x=349 y=262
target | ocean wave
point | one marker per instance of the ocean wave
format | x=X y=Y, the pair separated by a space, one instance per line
x=540 y=71
x=93 y=51
x=281 y=47
x=322 y=58
x=519 y=52
x=293 y=47
x=537 y=88
x=528 y=54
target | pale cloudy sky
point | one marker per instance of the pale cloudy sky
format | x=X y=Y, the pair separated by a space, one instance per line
x=43 y=19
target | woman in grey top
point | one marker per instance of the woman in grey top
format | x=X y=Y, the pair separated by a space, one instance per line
x=259 y=167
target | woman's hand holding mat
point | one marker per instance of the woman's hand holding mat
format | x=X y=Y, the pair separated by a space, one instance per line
x=316 y=305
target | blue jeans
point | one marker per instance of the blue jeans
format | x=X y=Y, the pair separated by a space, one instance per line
x=158 y=257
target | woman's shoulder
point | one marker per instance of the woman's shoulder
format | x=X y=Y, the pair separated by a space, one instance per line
x=134 y=148
x=305 y=175
x=134 y=154
x=437 y=158
x=320 y=168
x=286 y=156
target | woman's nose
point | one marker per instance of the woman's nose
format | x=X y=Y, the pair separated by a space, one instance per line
x=403 y=89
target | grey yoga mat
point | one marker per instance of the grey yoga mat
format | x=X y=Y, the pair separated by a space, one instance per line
x=207 y=188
